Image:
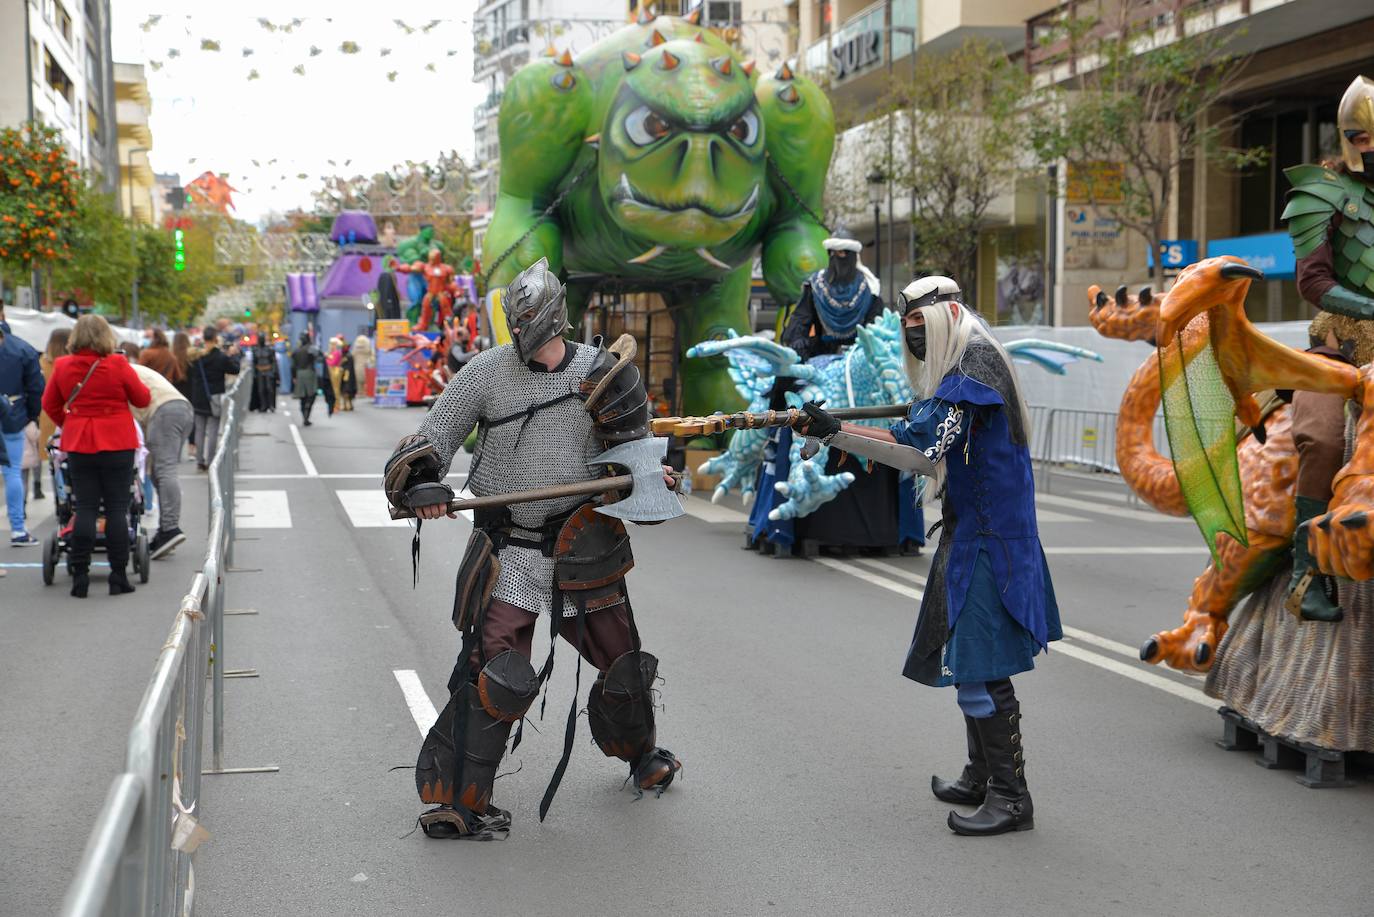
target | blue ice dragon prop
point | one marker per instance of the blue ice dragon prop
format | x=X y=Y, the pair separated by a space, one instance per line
x=867 y=373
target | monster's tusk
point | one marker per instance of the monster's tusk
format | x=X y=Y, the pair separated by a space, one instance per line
x=712 y=260
x=1231 y=270
x=650 y=255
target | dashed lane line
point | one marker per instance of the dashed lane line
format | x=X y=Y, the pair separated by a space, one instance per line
x=890 y=570
x=421 y=708
x=1069 y=647
x=310 y=468
x=1116 y=512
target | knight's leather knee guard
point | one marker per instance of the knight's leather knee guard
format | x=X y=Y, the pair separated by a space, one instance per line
x=618 y=707
x=503 y=691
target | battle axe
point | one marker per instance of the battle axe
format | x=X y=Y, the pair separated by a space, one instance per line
x=749 y=420
x=649 y=499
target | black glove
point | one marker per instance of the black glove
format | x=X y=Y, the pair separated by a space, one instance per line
x=819 y=423
x=412 y=476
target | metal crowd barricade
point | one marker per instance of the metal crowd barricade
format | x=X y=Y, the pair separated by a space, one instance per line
x=136 y=862
x=1084 y=441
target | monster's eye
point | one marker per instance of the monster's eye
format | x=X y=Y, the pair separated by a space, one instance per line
x=644 y=127
x=746 y=129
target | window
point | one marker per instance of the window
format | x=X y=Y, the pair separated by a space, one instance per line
x=722 y=12
x=57 y=77
x=64 y=21
x=93 y=125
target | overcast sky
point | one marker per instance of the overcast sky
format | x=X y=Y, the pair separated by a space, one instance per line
x=209 y=114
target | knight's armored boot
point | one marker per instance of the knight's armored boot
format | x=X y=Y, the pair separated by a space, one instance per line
x=972 y=785
x=1307 y=591
x=622 y=725
x=1007 y=806
x=504 y=690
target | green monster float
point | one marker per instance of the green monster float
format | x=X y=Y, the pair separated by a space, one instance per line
x=658 y=161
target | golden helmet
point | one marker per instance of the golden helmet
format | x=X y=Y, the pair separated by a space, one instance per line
x=1356 y=114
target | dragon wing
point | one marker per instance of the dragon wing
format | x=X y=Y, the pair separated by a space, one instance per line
x=1050 y=356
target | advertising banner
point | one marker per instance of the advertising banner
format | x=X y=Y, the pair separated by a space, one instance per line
x=393 y=344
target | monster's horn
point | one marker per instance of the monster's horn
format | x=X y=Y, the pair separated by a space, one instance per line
x=670 y=60
x=631 y=60
x=700 y=38
x=748 y=68
x=789 y=94
x=646 y=15
x=550 y=51
x=784 y=72
x=656 y=38
x=694 y=17
x=722 y=65
x=1232 y=270
x=566 y=60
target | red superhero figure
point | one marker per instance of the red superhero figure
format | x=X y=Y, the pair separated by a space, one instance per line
x=438 y=276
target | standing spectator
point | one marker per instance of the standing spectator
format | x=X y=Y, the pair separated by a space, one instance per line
x=307 y=381
x=181 y=377
x=166 y=421
x=89 y=397
x=158 y=357
x=57 y=348
x=364 y=372
x=207 y=372
x=21 y=385
x=264 y=377
x=348 y=380
x=334 y=365
x=131 y=351
x=325 y=373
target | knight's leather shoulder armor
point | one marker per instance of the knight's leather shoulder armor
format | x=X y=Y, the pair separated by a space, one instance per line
x=614 y=394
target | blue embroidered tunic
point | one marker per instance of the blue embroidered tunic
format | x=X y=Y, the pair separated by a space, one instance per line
x=989 y=605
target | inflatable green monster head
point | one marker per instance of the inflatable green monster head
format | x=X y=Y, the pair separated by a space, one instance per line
x=682 y=146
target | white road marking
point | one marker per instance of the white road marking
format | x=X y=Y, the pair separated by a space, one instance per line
x=1099 y=550
x=1117 y=512
x=707 y=511
x=891 y=570
x=1071 y=649
x=310 y=468
x=421 y=708
x=367 y=509
x=262 y=509
x=1049 y=515
x=1135 y=673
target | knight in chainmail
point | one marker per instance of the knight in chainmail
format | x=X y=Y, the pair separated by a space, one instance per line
x=544 y=408
x=988 y=607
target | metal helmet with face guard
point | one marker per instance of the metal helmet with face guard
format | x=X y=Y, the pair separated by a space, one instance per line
x=536 y=309
x=1356 y=116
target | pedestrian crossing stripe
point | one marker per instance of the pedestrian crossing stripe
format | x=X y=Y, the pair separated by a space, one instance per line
x=261 y=509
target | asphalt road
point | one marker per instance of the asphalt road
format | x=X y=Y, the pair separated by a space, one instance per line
x=807 y=756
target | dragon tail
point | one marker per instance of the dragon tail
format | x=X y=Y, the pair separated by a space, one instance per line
x=1150 y=475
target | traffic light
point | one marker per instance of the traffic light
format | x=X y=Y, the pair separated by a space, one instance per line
x=176 y=198
x=179 y=260
x=247 y=312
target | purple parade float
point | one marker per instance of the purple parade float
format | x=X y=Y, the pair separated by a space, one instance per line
x=340 y=303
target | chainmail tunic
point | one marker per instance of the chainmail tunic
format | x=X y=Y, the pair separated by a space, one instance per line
x=552 y=446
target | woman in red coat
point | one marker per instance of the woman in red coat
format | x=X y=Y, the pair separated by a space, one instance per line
x=88 y=396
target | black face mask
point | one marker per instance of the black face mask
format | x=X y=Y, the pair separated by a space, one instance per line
x=1368 y=160
x=916 y=341
x=843 y=267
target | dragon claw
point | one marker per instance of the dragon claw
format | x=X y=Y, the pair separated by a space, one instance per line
x=1189 y=648
x=1149 y=650
x=1121 y=296
x=1145 y=296
x=1101 y=300
x=1356 y=520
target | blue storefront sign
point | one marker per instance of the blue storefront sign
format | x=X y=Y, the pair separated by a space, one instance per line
x=1271 y=252
x=1175 y=253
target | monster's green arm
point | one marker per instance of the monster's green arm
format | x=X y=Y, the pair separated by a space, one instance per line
x=799 y=131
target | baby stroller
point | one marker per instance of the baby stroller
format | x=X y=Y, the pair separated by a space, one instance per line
x=58 y=542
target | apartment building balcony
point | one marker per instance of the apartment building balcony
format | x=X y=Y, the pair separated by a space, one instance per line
x=1258 y=24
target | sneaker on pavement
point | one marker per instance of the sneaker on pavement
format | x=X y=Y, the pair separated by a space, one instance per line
x=164 y=543
x=24 y=540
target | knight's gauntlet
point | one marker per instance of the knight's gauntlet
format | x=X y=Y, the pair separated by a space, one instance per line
x=1347 y=302
x=412 y=476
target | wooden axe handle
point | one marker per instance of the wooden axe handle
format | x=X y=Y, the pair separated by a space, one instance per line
x=748 y=420
x=552 y=492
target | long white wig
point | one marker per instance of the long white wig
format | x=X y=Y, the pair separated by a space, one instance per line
x=950 y=327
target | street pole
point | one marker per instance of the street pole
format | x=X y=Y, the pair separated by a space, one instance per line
x=878 y=241
x=135 y=320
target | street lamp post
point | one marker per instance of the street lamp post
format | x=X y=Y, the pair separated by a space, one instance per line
x=135 y=320
x=877 y=183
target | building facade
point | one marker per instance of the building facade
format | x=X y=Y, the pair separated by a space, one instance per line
x=138 y=185
x=56 y=69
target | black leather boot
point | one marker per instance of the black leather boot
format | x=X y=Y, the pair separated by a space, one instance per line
x=81 y=580
x=1307 y=590
x=119 y=582
x=1007 y=806
x=972 y=785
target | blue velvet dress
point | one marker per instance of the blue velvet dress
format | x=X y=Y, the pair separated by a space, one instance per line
x=989 y=604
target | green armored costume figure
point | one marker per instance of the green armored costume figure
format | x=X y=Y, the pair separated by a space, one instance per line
x=658 y=161
x=1330 y=216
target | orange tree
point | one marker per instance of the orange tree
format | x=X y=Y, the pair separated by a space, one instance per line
x=38 y=198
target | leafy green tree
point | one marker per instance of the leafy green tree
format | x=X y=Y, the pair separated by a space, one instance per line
x=38 y=199
x=957 y=122
x=1145 y=96
x=102 y=253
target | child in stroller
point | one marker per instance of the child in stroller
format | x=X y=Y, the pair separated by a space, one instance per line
x=58 y=542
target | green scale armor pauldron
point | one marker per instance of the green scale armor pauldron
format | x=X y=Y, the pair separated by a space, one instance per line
x=1320 y=193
